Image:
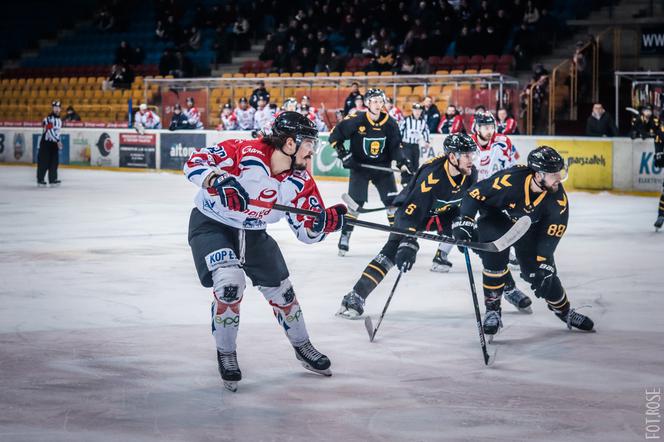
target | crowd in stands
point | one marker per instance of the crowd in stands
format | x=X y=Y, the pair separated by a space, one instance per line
x=401 y=36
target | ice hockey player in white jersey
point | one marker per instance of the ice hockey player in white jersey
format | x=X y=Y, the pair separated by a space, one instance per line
x=146 y=119
x=239 y=182
x=264 y=116
x=244 y=115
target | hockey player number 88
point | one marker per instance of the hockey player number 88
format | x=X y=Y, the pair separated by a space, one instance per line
x=556 y=230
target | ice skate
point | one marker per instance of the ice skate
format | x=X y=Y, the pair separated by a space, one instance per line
x=55 y=183
x=492 y=323
x=513 y=262
x=352 y=306
x=659 y=223
x=41 y=183
x=344 y=241
x=312 y=359
x=440 y=263
x=518 y=299
x=577 y=320
x=229 y=370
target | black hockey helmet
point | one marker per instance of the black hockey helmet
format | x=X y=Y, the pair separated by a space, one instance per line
x=459 y=144
x=372 y=93
x=294 y=125
x=190 y=100
x=55 y=103
x=545 y=159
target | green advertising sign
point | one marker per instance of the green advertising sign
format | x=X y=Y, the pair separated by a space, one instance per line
x=326 y=162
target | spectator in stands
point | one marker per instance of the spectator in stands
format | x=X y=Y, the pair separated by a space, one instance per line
x=146 y=119
x=322 y=61
x=167 y=62
x=160 y=30
x=193 y=115
x=305 y=61
x=281 y=61
x=172 y=31
x=505 y=124
x=71 y=115
x=431 y=114
x=531 y=14
x=227 y=118
x=138 y=56
x=407 y=67
x=179 y=120
x=269 y=49
x=121 y=77
x=350 y=99
x=337 y=62
x=359 y=105
x=355 y=42
x=123 y=54
x=240 y=33
x=194 y=39
x=421 y=66
x=386 y=58
x=502 y=27
x=464 y=42
x=452 y=122
x=644 y=125
x=581 y=63
x=259 y=92
x=104 y=20
x=600 y=123
x=523 y=44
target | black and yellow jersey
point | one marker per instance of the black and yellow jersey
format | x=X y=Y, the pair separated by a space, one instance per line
x=507 y=194
x=371 y=142
x=432 y=192
x=644 y=127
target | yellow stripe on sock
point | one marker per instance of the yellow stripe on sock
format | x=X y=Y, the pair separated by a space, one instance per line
x=493 y=287
x=370 y=277
x=378 y=269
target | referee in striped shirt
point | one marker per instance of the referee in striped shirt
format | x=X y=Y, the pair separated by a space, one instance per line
x=414 y=133
x=49 y=147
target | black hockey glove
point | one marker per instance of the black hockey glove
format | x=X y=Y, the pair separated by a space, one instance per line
x=349 y=162
x=464 y=229
x=232 y=194
x=542 y=280
x=330 y=220
x=406 y=253
x=659 y=159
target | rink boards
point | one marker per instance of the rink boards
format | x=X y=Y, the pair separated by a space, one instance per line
x=618 y=164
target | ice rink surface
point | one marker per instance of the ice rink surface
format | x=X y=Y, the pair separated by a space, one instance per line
x=105 y=330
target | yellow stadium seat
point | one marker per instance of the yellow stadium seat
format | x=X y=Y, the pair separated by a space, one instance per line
x=296 y=75
x=321 y=74
x=346 y=74
x=285 y=75
x=456 y=72
x=386 y=74
x=442 y=72
x=334 y=74
x=249 y=75
x=404 y=90
x=261 y=75
x=373 y=73
x=470 y=71
x=359 y=73
x=227 y=75
x=309 y=74
x=418 y=90
x=273 y=74
x=486 y=71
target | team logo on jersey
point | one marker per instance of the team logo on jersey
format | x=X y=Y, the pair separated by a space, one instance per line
x=314 y=203
x=268 y=195
x=105 y=144
x=373 y=147
x=362 y=130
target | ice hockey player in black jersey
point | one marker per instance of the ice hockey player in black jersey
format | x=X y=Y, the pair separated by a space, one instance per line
x=375 y=140
x=430 y=202
x=659 y=162
x=535 y=191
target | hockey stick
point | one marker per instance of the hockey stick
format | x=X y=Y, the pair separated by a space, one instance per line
x=510 y=237
x=382 y=168
x=354 y=207
x=488 y=359
x=367 y=321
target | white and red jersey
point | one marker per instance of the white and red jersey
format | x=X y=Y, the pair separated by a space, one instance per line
x=245 y=118
x=451 y=125
x=227 y=122
x=498 y=154
x=506 y=127
x=396 y=113
x=148 y=120
x=263 y=119
x=248 y=161
x=193 y=117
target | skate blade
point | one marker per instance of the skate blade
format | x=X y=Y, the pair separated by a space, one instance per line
x=230 y=386
x=347 y=314
x=439 y=269
x=326 y=372
x=527 y=310
x=342 y=252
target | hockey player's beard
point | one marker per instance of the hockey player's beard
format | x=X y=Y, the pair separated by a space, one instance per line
x=303 y=165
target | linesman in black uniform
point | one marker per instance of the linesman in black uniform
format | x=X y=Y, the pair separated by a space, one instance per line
x=374 y=141
x=49 y=147
x=414 y=133
x=430 y=202
x=535 y=191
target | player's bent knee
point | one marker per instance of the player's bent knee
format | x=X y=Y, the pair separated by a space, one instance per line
x=280 y=296
x=556 y=293
x=229 y=284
